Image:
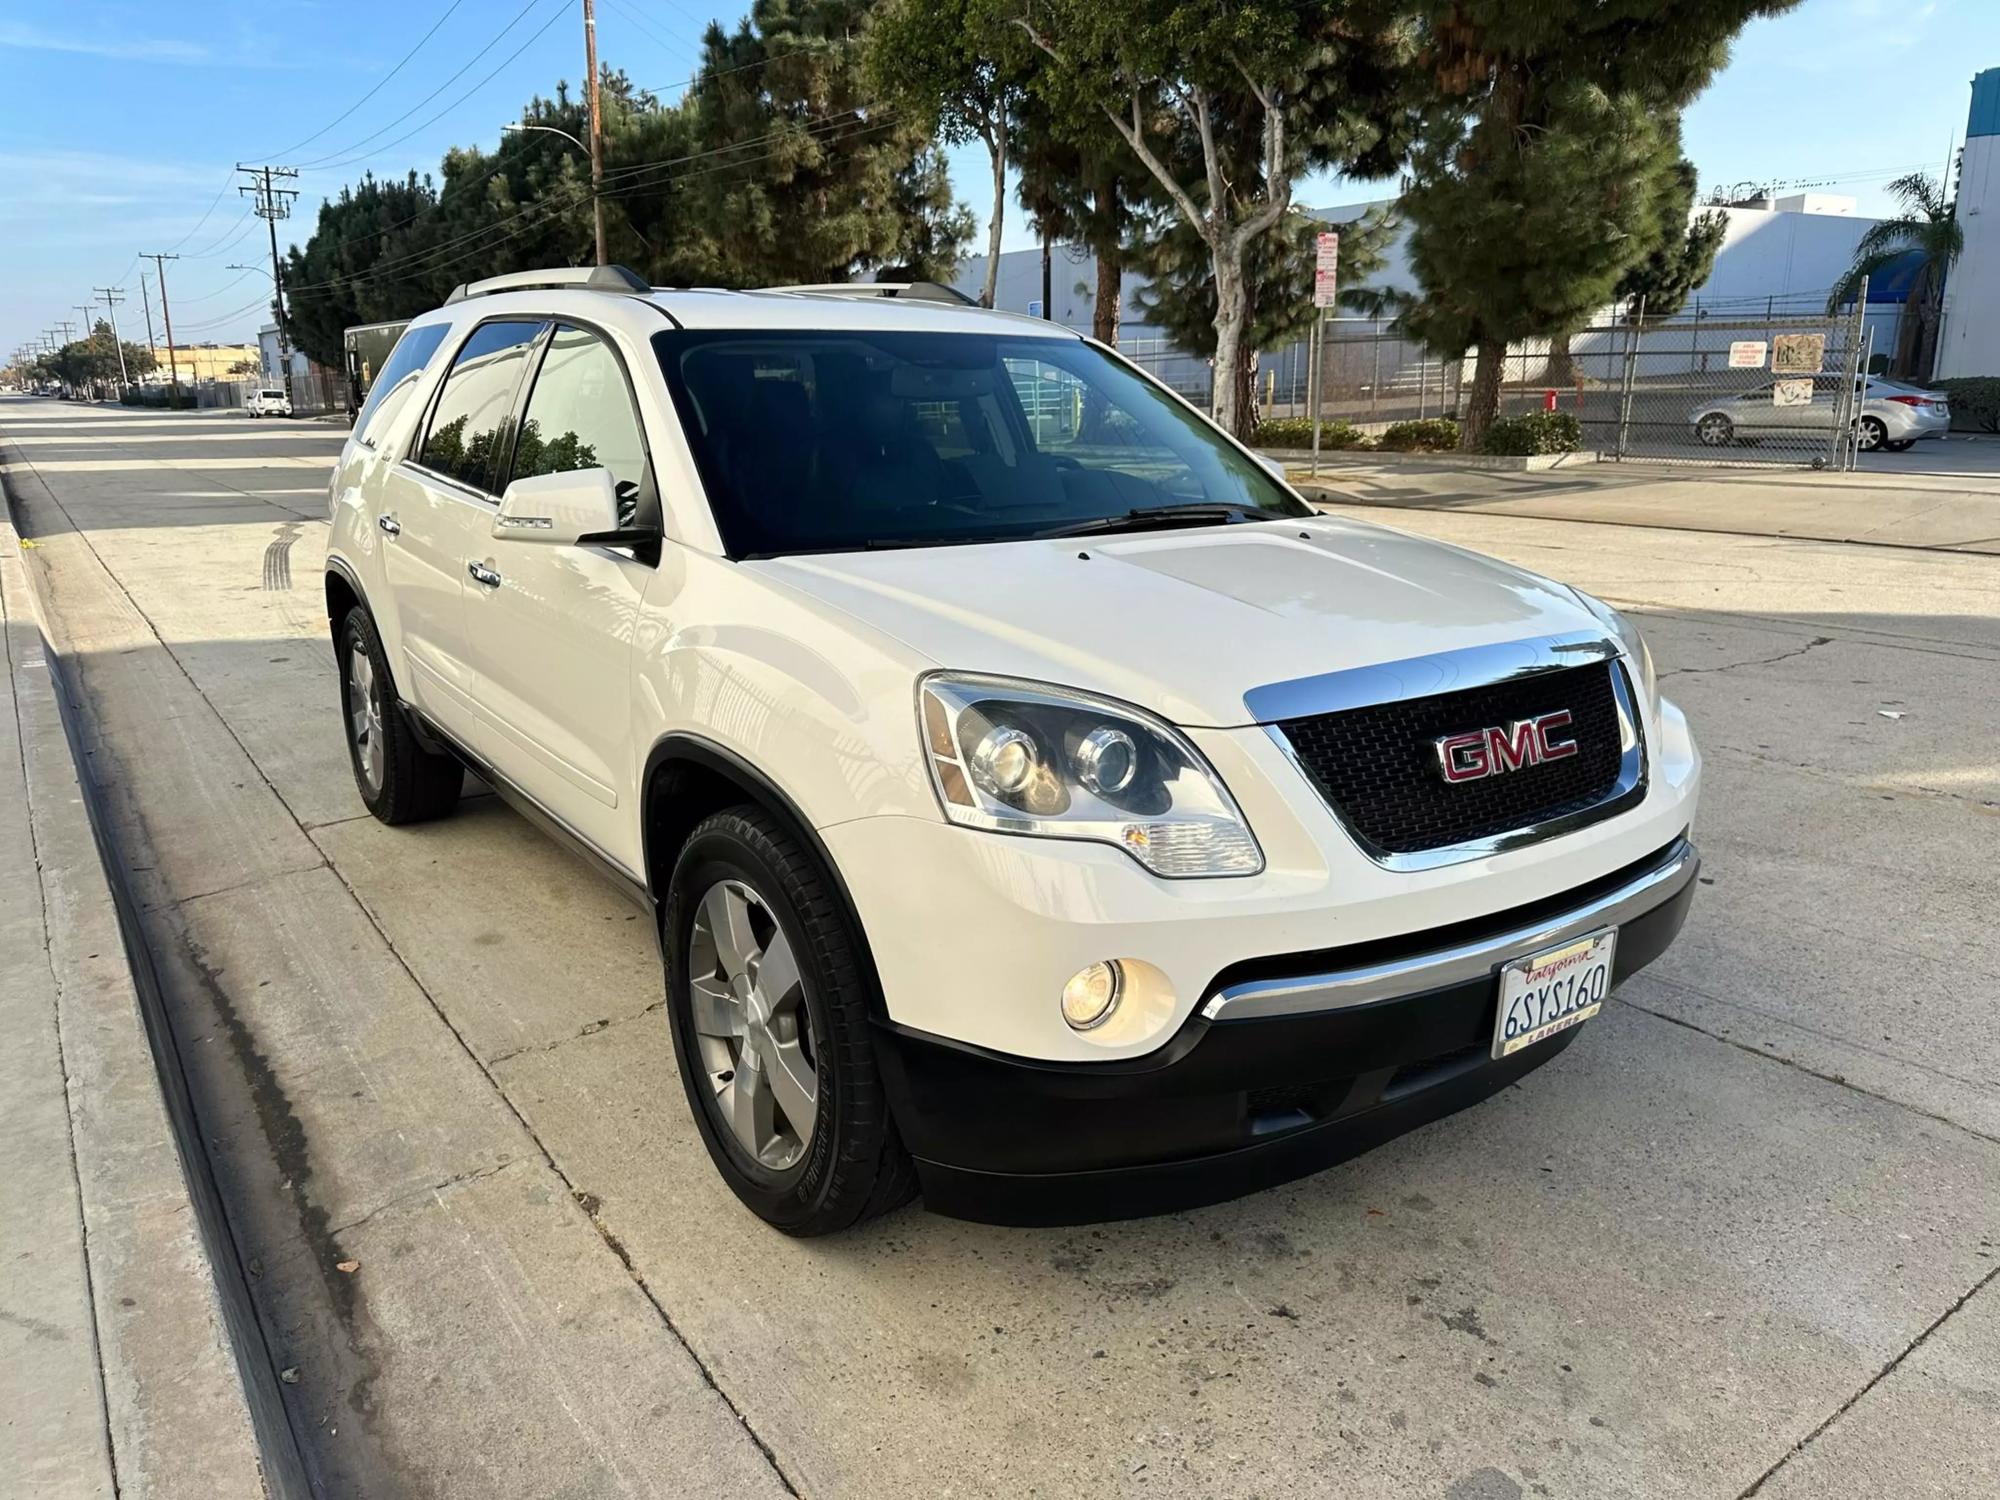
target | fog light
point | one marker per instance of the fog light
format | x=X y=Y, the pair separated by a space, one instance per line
x=1092 y=994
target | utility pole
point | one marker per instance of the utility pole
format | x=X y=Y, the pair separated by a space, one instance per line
x=173 y=364
x=273 y=204
x=146 y=302
x=596 y=128
x=113 y=295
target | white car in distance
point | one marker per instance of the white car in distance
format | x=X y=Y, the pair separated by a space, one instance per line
x=1039 y=805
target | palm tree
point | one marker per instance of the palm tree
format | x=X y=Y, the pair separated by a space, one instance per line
x=1928 y=224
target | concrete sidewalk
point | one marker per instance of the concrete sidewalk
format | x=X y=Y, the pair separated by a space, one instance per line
x=1957 y=512
x=116 y=1374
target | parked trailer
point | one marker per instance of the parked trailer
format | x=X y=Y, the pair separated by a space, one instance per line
x=367 y=346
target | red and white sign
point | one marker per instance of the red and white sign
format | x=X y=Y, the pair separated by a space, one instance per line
x=1326 y=270
x=1747 y=354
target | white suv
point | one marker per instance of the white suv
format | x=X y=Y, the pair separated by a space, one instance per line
x=1040 y=805
x=268 y=402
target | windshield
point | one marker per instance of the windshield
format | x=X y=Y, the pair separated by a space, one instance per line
x=815 y=442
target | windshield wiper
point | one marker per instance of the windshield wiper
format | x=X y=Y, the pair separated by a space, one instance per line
x=1151 y=518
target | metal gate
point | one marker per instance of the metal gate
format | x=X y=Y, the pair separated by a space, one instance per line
x=1729 y=385
x=1770 y=380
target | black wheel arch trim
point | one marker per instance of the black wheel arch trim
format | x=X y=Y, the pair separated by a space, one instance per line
x=719 y=759
x=337 y=564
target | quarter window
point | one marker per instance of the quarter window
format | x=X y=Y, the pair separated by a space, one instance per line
x=469 y=425
x=580 y=416
x=397 y=379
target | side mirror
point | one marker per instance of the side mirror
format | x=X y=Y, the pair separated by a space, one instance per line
x=560 y=508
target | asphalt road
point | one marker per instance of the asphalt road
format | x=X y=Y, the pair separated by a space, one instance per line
x=1741 y=1239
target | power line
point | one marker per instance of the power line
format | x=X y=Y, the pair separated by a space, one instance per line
x=426 y=259
x=293 y=149
x=331 y=160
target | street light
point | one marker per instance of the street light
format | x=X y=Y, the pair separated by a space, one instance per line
x=596 y=198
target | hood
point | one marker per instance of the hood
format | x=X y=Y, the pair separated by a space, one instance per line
x=1185 y=622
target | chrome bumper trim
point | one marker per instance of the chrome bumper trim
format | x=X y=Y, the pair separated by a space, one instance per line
x=1369 y=983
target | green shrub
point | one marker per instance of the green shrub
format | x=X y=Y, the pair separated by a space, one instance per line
x=1297 y=432
x=1537 y=432
x=1431 y=435
x=1975 y=402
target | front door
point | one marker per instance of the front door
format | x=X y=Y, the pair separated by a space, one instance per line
x=440 y=502
x=551 y=630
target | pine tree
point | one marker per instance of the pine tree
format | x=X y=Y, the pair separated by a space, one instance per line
x=1546 y=159
x=807 y=178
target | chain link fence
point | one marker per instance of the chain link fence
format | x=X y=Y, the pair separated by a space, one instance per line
x=1770 y=380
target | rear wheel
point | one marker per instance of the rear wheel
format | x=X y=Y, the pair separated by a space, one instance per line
x=1871 y=434
x=769 y=1012
x=1715 y=430
x=399 y=780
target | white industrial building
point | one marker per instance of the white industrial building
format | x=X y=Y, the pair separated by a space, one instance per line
x=1969 y=340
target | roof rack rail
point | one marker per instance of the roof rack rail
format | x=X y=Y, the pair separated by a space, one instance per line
x=571 y=278
x=915 y=291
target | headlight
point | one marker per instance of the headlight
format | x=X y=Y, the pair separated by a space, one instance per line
x=1630 y=641
x=1023 y=757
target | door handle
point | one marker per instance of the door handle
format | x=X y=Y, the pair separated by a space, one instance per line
x=483 y=574
x=390 y=524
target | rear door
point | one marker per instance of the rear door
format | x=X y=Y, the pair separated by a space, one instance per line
x=551 y=641
x=440 y=500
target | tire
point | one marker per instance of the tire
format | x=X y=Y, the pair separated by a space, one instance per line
x=1870 y=435
x=399 y=780
x=832 y=1157
x=1715 y=430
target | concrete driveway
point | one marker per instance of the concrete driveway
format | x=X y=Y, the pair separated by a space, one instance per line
x=1739 y=1240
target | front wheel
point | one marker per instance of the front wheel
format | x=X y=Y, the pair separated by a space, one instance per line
x=769 y=1011
x=1871 y=434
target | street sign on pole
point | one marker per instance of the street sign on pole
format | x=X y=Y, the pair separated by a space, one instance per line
x=1326 y=269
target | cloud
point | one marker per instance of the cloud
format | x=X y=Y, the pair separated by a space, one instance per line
x=129 y=49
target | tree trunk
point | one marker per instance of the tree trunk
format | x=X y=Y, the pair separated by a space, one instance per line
x=996 y=149
x=1562 y=364
x=1232 y=312
x=1482 y=403
x=1110 y=297
x=1110 y=252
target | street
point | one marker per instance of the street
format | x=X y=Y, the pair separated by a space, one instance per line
x=1740 y=1239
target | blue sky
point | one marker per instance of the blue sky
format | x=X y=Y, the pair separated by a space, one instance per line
x=120 y=123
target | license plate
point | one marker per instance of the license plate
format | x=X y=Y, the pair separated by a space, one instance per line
x=1552 y=991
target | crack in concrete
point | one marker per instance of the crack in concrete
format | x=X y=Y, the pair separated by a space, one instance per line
x=593 y=1029
x=1758 y=661
x=1874 y=1380
x=1839 y=1080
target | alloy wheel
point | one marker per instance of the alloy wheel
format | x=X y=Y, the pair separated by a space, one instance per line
x=1715 y=430
x=364 y=715
x=752 y=1025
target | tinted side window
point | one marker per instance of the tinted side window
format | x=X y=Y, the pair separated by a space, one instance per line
x=397 y=378
x=580 y=415
x=469 y=424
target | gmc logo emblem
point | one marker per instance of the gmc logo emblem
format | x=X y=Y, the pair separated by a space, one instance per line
x=1480 y=753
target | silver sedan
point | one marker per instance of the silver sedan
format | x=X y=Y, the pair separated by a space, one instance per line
x=1893 y=415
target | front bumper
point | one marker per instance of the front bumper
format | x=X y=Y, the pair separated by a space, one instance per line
x=1290 y=1066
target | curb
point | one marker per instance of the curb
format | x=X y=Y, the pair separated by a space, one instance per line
x=192 y=1395
x=1531 y=463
